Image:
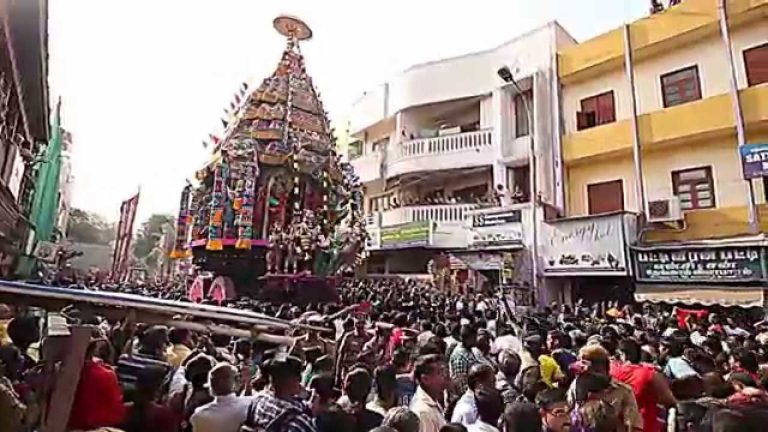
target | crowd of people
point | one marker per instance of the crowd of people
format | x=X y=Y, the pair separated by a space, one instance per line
x=402 y=356
x=490 y=198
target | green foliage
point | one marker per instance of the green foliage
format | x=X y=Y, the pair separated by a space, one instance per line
x=148 y=237
x=89 y=228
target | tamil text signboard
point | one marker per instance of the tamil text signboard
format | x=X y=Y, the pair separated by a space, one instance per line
x=412 y=234
x=496 y=228
x=586 y=246
x=754 y=160
x=720 y=264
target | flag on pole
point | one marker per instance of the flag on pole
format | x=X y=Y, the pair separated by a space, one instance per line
x=224 y=123
x=121 y=253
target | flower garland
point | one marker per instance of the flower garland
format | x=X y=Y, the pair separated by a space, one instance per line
x=216 y=222
x=180 y=249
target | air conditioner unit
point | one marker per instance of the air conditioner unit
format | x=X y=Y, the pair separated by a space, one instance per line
x=665 y=210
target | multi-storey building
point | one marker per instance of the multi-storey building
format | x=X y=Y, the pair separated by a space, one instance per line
x=650 y=128
x=442 y=140
x=23 y=119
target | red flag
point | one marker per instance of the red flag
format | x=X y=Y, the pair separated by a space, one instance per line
x=214 y=138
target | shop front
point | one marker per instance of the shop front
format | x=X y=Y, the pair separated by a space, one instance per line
x=726 y=273
x=402 y=248
x=496 y=249
x=587 y=258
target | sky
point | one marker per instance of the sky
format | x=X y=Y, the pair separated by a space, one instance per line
x=144 y=82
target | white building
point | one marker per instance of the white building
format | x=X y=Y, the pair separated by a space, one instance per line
x=441 y=136
x=66 y=183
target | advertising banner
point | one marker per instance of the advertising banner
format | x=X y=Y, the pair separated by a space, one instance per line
x=754 y=160
x=721 y=264
x=585 y=246
x=412 y=234
x=498 y=228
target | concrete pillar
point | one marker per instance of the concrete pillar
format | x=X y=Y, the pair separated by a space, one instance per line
x=499 y=136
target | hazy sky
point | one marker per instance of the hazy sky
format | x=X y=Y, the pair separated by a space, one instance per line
x=143 y=82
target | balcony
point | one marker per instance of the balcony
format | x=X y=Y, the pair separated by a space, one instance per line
x=702 y=119
x=368 y=167
x=449 y=229
x=448 y=213
x=462 y=150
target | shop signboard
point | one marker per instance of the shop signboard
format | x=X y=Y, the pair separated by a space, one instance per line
x=412 y=234
x=496 y=228
x=754 y=160
x=586 y=246
x=704 y=264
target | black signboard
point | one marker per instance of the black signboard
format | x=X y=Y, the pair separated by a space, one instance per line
x=721 y=264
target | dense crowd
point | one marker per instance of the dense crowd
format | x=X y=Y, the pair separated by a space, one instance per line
x=402 y=356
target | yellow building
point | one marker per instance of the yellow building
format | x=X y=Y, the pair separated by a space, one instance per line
x=686 y=131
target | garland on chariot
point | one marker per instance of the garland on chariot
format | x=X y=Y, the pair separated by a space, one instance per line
x=275 y=180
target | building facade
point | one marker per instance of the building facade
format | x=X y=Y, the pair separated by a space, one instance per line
x=649 y=128
x=444 y=152
x=23 y=120
x=66 y=183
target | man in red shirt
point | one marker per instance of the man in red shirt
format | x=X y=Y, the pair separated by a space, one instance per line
x=98 y=399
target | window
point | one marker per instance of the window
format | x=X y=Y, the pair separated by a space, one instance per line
x=756 y=64
x=605 y=197
x=522 y=128
x=681 y=86
x=379 y=144
x=595 y=111
x=694 y=187
x=765 y=189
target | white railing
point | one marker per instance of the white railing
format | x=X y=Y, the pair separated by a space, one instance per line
x=445 y=144
x=449 y=213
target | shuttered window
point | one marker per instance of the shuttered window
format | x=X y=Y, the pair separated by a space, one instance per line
x=605 y=197
x=694 y=187
x=596 y=110
x=756 y=64
x=681 y=86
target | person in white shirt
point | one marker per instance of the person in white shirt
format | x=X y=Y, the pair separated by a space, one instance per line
x=432 y=375
x=426 y=333
x=228 y=411
x=489 y=409
x=480 y=376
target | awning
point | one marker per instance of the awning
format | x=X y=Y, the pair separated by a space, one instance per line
x=746 y=240
x=745 y=297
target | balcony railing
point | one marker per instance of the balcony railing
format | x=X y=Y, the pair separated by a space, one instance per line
x=445 y=144
x=448 y=213
x=462 y=150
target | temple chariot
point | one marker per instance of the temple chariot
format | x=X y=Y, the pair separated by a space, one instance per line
x=275 y=213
